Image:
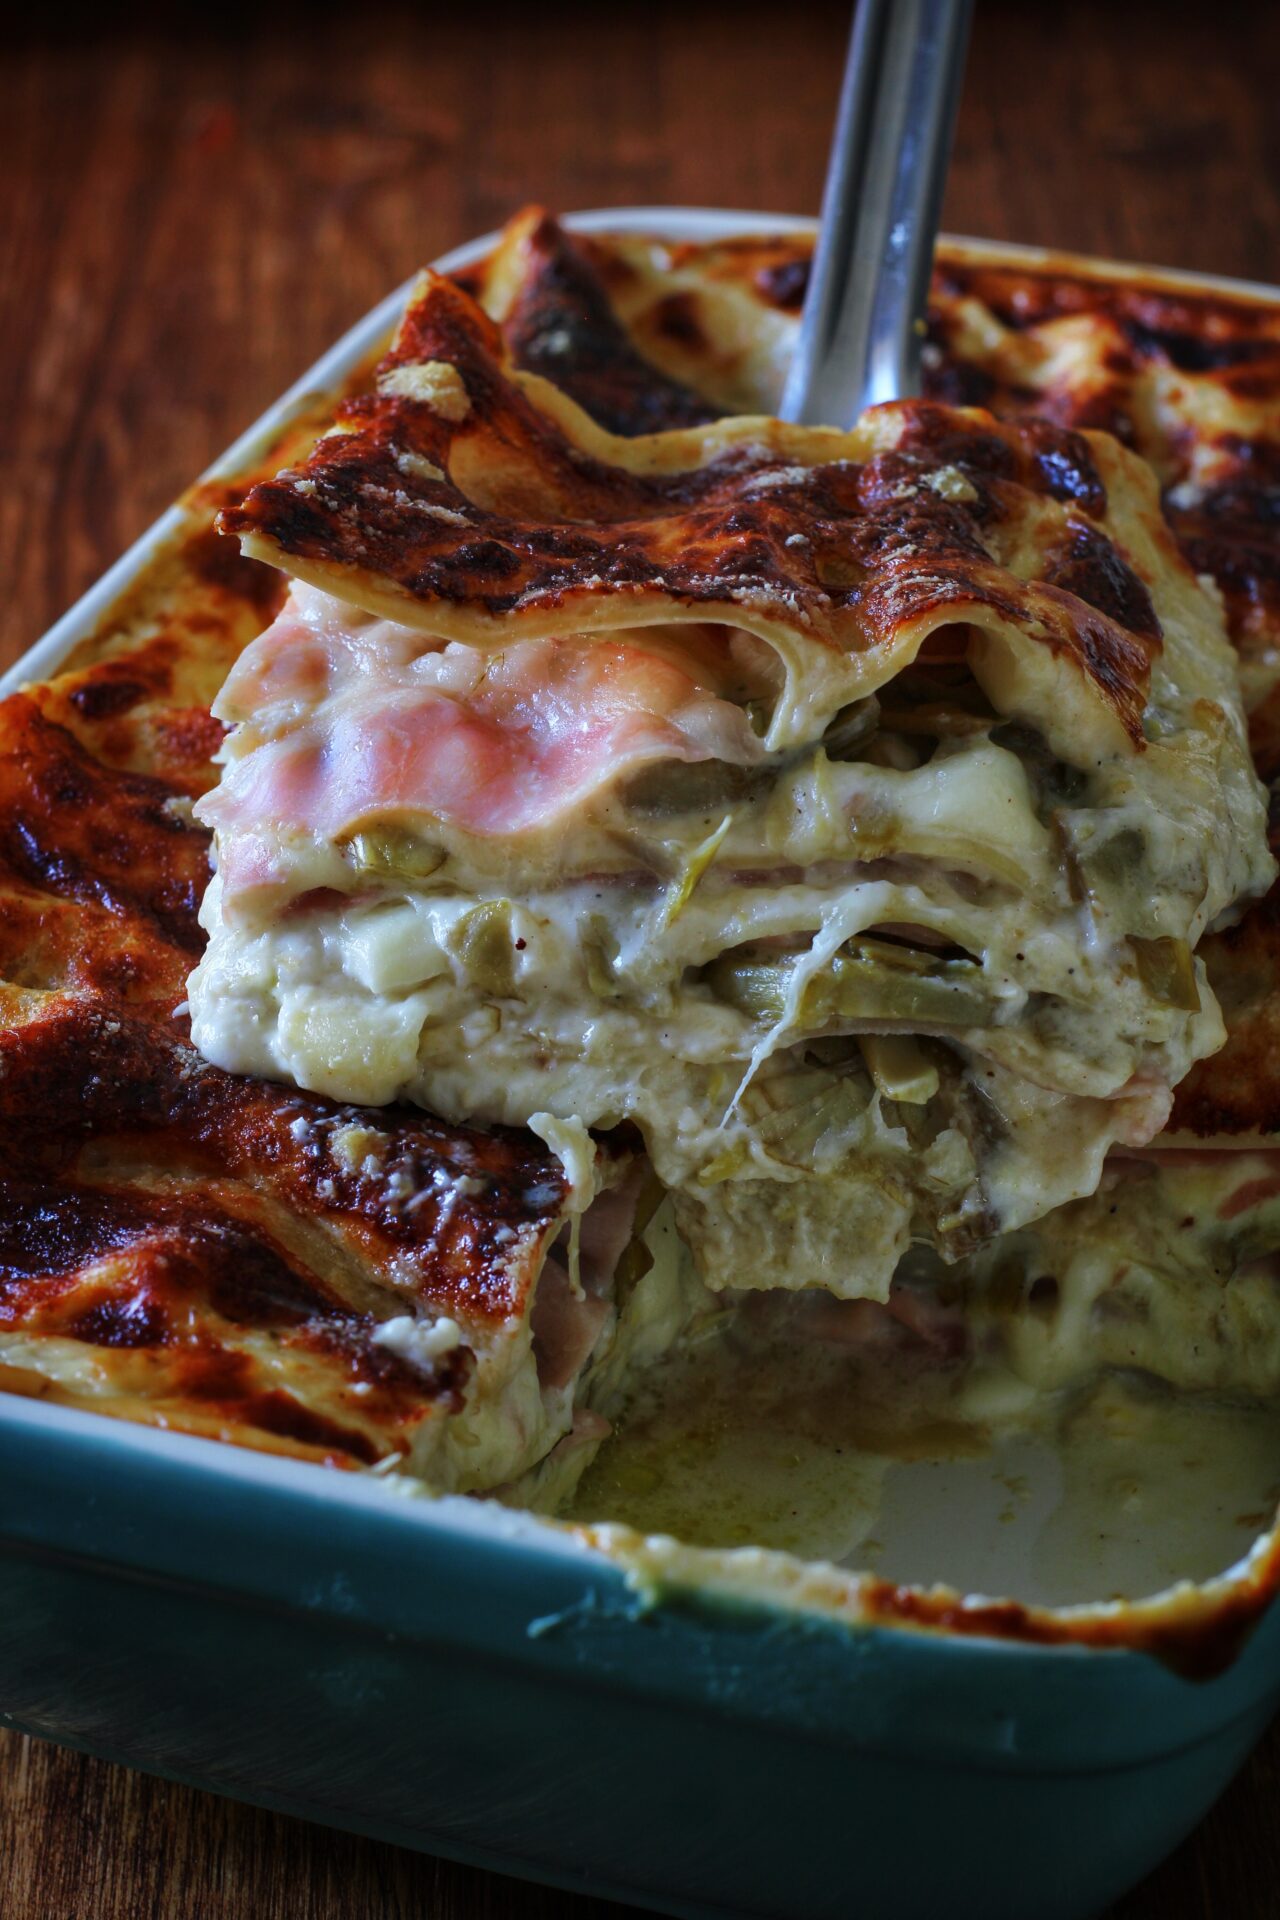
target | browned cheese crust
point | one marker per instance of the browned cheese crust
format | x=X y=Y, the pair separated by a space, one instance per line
x=1191 y=381
x=1188 y=379
x=459 y=494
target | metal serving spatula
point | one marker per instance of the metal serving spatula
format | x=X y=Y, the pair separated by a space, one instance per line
x=860 y=334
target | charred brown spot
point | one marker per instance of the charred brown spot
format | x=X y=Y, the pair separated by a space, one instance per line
x=784 y=283
x=976 y=450
x=222 y=565
x=97 y=699
x=79 y=830
x=562 y=326
x=1066 y=466
x=1089 y=566
x=350 y=1343
x=958 y=383
x=119 y=684
x=281 y=1413
x=44 y=1232
x=677 y=318
x=132 y=1320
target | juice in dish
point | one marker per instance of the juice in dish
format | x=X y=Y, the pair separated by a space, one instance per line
x=1117 y=1488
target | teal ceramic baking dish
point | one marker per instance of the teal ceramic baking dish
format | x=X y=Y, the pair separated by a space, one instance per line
x=455 y=1677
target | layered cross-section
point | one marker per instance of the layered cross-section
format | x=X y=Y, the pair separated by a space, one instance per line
x=841 y=809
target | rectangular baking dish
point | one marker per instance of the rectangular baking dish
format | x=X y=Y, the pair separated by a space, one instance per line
x=458 y=1678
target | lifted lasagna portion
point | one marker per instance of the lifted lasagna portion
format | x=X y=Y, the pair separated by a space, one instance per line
x=843 y=809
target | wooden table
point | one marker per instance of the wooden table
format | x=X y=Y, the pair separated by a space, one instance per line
x=192 y=208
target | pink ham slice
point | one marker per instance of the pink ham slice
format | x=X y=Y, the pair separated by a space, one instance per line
x=567 y=1321
x=356 y=721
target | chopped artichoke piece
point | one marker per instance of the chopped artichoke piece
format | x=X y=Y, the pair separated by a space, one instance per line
x=634 y=1262
x=792 y=1111
x=869 y=980
x=852 y=727
x=696 y=786
x=600 y=956
x=395 y=855
x=1111 y=864
x=899 y=1068
x=1168 y=972
x=874 y=980
x=483 y=944
x=694 y=868
x=754 y=987
x=725 y=1165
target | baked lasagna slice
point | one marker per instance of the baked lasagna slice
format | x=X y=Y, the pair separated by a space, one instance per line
x=843 y=810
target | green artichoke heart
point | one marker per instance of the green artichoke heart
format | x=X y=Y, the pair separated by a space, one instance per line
x=868 y=979
x=483 y=944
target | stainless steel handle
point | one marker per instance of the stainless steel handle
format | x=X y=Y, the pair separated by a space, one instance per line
x=860 y=333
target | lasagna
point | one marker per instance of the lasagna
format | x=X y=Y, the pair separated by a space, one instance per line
x=841 y=810
x=680 y=879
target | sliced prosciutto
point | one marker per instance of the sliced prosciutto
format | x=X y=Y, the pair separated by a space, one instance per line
x=344 y=720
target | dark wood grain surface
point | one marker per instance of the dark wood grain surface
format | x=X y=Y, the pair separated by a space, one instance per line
x=193 y=205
